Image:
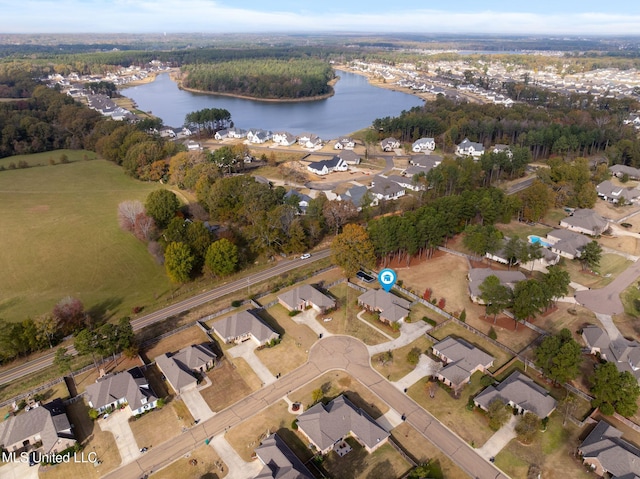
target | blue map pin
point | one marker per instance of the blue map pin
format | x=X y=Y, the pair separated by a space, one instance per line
x=387 y=278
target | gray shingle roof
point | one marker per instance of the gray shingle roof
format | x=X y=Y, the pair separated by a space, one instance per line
x=279 y=461
x=522 y=391
x=586 y=219
x=390 y=306
x=462 y=358
x=130 y=385
x=178 y=368
x=242 y=323
x=478 y=275
x=616 y=455
x=620 y=170
x=306 y=293
x=325 y=425
x=568 y=241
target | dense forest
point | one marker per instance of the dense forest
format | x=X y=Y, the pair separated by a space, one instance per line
x=264 y=78
x=543 y=131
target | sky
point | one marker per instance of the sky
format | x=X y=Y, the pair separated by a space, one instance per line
x=569 y=17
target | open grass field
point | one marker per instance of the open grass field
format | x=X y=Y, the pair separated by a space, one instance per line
x=47 y=157
x=60 y=237
x=472 y=426
x=293 y=350
x=611 y=265
x=207 y=465
x=399 y=367
x=384 y=462
x=552 y=452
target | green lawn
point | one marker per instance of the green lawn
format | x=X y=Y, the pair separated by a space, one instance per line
x=611 y=265
x=522 y=230
x=45 y=158
x=60 y=237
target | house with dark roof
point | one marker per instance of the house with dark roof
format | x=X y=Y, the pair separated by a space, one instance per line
x=389 y=144
x=301 y=199
x=356 y=194
x=406 y=182
x=327 y=426
x=180 y=368
x=221 y=134
x=477 y=276
x=350 y=156
x=423 y=145
x=461 y=360
x=521 y=393
x=306 y=296
x=606 y=453
x=469 y=148
x=47 y=424
x=279 y=461
x=425 y=161
x=242 y=326
x=614 y=194
x=309 y=140
x=391 y=308
x=324 y=167
x=585 y=221
x=625 y=354
x=259 y=136
x=567 y=243
x=129 y=388
x=620 y=170
x=385 y=189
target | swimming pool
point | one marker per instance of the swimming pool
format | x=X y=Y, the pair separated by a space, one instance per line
x=537 y=239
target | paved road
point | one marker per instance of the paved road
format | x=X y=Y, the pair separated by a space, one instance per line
x=282 y=267
x=607 y=300
x=336 y=352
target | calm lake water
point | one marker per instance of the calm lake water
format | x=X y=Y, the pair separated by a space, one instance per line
x=354 y=106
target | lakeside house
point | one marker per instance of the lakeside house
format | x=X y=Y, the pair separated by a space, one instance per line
x=324 y=167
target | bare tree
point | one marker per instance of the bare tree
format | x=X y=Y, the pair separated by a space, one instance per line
x=127 y=213
x=144 y=227
x=337 y=213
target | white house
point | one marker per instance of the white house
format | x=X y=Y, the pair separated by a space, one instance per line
x=284 y=138
x=325 y=167
x=389 y=144
x=221 y=134
x=309 y=140
x=345 y=144
x=258 y=136
x=236 y=133
x=498 y=148
x=385 y=189
x=423 y=145
x=470 y=148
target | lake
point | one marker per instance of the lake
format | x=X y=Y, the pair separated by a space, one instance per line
x=354 y=106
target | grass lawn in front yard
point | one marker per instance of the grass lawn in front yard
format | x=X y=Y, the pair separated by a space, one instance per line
x=552 y=452
x=373 y=320
x=161 y=424
x=228 y=386
x=344 y=320
x=625 y=244
x=293 y=350
x=207 y=465
x=399 y=367
x=421 y=450
x=452 y=329
x=628 y=298
x=93 y=439
x=384 y=462
x=245 y=437
x=335 y=383
x=611 y=265
x=472 y=426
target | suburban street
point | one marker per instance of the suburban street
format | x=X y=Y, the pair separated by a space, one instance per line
x=279 y=269
x=332 y=353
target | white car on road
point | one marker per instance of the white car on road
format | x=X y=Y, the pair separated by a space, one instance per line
x=305 y=256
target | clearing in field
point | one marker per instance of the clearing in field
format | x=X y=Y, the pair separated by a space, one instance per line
x=60 y=237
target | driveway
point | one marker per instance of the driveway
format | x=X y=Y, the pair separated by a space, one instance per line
x=237 y=467
x=607 y=300
x=409 y=332
x=500 y=439
x=308 y=317
x=118 y=424
x=246 y=351
x=19 y=470
x=198 y=407
x=425 y=367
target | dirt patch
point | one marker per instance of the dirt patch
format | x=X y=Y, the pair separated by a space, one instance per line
x=227 y=387
x=502 y=321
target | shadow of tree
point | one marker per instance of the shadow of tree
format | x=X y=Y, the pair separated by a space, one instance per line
x=103 y=311
x=382 y=470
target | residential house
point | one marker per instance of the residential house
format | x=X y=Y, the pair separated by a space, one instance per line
x=625 y=354
x=350 y=156
x=406 y=182
x=128 y=388
x=390 y=307
x=614 y=194
x=179 y=368
x=242 y=326
x=423 y=145
x=585 y=221
x=498 y=148
x=306 y=296
x=389 y=144
x=47 y=424
x=549 y=258
x=279 y=461
x=620 y=170
x=567 y=243
x=284 y=138
x=301 y=200
x=477 y=276
x=221 y=134
x=426 y=161
x=309 y=140
x=357 y=194
x=461 y=360
x=345 y=144
x=384 y=189
x=327 y=426
x=324 y=167
x=470 y=148
x=259 y=136
x=236 y=133
x=608 y=455
x=500 y=256
x=521 y=393
x=166 y=132
x=193 y=146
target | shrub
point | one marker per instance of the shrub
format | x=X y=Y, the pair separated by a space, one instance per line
x=486 y=380
x=626 y=225
x=93 y=414
x=527 y=427
x=23 y=164
x=470 y=404
x=294 y=425
x=294 y=312
x=442 y=303
x=136 y=309
x=161 y=402
x=463 y=316
x=492 y=334
x=64 y=159
x=413 y=356
x=427 y=294
x=429 y=321
x=236 y=303
x=636 y=304
x=395 y=327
